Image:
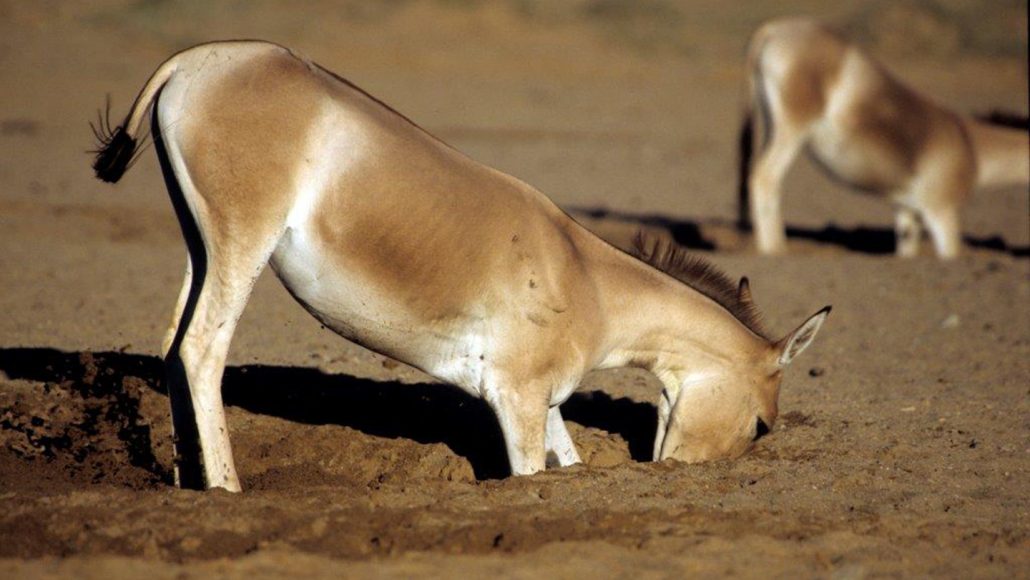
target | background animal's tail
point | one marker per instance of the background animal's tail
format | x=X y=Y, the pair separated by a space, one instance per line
x=745 y=148
x=117 y=147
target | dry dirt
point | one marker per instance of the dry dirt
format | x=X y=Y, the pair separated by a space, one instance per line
x=904 y=445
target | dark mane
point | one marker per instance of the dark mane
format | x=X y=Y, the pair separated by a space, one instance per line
x=1006 y=119
x=700 y=275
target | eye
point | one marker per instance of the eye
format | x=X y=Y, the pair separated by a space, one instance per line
x=761 y=429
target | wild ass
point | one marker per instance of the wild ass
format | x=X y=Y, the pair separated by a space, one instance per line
x=404 y=245
x=866 y=129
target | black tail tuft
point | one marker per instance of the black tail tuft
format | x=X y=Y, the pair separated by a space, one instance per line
x=114 y=155
x=746 y=146
x=116 y=147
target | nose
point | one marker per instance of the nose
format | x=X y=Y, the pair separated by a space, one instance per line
x=761 y=429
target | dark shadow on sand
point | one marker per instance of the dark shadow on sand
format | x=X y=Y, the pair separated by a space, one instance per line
x=425 y=412
x=866 y=240
x=879 y=241
x=686 y=233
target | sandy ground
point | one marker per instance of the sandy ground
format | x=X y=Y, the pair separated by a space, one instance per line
x=904 y=441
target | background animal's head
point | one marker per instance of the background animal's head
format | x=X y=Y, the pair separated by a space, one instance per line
x=720 y=414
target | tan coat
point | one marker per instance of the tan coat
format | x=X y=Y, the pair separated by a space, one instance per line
x=867 y=129
x=402 y=244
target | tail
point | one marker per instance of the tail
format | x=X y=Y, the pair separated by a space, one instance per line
x=745 y=146
x=117 y=146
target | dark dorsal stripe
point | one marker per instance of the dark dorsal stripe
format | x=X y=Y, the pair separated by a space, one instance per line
x=700 y=275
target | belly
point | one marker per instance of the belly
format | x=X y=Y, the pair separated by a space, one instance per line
x=448 y=344
x=867 y=160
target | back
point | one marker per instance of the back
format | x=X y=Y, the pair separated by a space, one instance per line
x=867 y=128
x=399 y=208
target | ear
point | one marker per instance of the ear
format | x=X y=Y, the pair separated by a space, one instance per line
x=744 y=291
x=797 y=341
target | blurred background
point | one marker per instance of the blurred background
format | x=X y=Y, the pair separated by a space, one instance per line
x=624 y=104
x=625 y=112
x=902 y=451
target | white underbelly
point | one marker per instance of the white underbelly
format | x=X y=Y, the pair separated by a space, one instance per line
x=451 y=349
x=858 y=161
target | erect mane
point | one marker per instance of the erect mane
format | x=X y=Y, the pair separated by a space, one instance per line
x=699 y=274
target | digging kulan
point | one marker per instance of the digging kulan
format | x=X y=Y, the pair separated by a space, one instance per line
x=402 y=244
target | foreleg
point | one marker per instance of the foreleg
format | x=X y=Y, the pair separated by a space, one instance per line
x=523 y=417
x=560 y=448
x=907 y=232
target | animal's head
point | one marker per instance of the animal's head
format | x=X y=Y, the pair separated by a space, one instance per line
x=719 y=408
x=719 y=414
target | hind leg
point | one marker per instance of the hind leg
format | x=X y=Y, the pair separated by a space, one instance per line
x=180 y=305
x=196 y=362
x=945 y=230
x=907 y=232
x=226 y=255
x=939 y=196
x=771 y=167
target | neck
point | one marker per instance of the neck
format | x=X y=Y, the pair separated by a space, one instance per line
x=1002 y=154
x=660 y=324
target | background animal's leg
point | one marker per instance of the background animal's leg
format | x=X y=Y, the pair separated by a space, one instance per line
x=907 y=232
x=180 y=305
x=766 y=180
x=523 y=421
x=560 y=448
x=945 y=229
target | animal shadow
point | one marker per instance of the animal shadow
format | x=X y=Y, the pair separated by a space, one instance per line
x=704 y=234
x=424 y=412
x=684 y=232
x=873 y=240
